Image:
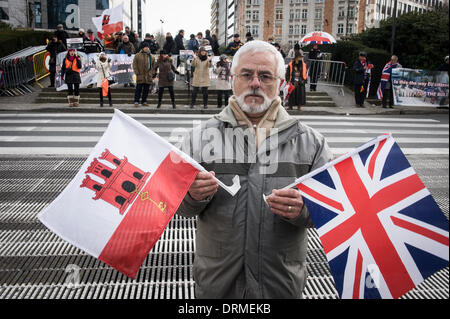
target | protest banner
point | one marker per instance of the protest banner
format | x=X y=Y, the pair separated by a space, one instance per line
x=420 y=87
x=121 y=69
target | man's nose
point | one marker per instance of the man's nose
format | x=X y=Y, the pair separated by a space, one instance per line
x=255 y=83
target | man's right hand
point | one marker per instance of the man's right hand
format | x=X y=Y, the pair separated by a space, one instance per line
x=204 y=186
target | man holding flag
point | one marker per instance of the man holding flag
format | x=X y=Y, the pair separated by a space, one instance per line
x=385 y=88
x=244 y=248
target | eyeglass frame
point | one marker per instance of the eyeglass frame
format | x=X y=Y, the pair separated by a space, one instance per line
x=259 y=76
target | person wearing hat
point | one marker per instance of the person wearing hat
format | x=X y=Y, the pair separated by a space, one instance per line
x=362 y=68
x=296 y=74
x=314 y=68
x=223 y=84
x=234 y=46
x=54 y=47
x=166 y=76
x=152 y=44
x=61 y=34
x=201 y=65
x=70 y=73
x=91 y=44
x=143 y=69
x=103 y=66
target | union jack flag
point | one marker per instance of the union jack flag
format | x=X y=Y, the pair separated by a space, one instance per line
x=385 y=77
x=381 y=230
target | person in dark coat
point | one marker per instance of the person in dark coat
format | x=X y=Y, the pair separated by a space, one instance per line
x=179 y=42
x=193 y=44
x=296 y=73
x=62 y=34
x=362 y=68
x=234 y=46
x=166 y=67
x=314 y=67
x=91 y=43
x=152 y=44
x=248 y=37
x=215 y=45
x=54 y=47
x=70 y=73
x=170 y=46
x=126 y=47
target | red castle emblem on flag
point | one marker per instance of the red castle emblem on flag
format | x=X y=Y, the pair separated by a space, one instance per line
x=121 y=183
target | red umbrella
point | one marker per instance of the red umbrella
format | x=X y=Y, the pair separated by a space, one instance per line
x=318 y=37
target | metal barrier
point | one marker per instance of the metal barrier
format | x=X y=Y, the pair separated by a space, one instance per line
x=329 y=73
x=18 y=71
x=40 y=66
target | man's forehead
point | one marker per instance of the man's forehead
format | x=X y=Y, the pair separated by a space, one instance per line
x=261 y=61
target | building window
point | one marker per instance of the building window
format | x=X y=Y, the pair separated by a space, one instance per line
x=101 y=4
x=255 y=30
x=248 y=15
x=279 y=14
x=341 y=12
x=318 y=14
x=255 y=15
x=351 y=12
x=278 y=30
x=37 y=15
x=4 y=13
x=303 y=29
x=291 y=29
x=349 y=28
x=340 y=28
x=297 y=13
x=297 y=30
x=279 y=2
x=291 y=14
x=317 y=27
x=304 y=13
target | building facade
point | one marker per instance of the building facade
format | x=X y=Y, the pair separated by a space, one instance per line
x=72 y=14
x=287 y=21
x=223 y=20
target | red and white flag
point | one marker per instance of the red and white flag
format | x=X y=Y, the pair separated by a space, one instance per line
x=118 y=205
x=110 y=21
x=287 y=89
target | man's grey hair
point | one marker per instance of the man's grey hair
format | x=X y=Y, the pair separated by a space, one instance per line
x=260 y=46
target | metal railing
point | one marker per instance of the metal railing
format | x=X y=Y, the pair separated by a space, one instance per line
x=329 y=73
x=18 y=71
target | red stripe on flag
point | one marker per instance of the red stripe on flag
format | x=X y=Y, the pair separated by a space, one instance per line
x=146 y=219
x=320 y=197
x=358 y=274
x=111 y=28
x=374 y=158
x=421 y=230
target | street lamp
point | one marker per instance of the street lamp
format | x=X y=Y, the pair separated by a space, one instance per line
x=394 y=26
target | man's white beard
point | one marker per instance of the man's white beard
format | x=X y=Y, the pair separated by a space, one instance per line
x=253 y=107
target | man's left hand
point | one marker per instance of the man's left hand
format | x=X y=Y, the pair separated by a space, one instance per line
x=287 y=203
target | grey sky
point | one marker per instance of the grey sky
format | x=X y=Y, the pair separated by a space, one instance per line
x=190 y=15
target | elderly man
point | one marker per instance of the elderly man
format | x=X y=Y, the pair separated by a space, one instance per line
x=246 y=247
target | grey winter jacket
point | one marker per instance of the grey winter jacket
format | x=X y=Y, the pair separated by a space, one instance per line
x=243 y=250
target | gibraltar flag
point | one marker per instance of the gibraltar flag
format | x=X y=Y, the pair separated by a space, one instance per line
x=287 y=89
x=123 y=197
x=110 y=21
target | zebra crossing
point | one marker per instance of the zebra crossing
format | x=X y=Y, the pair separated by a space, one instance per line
x=77 y=134
x=40 y=154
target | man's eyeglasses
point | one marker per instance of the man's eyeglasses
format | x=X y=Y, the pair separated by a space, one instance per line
x=263 y=78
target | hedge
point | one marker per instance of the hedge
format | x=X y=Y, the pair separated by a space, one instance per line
x=14 y=40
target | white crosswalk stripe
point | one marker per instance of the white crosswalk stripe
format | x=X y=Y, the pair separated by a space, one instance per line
x=77 y=134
